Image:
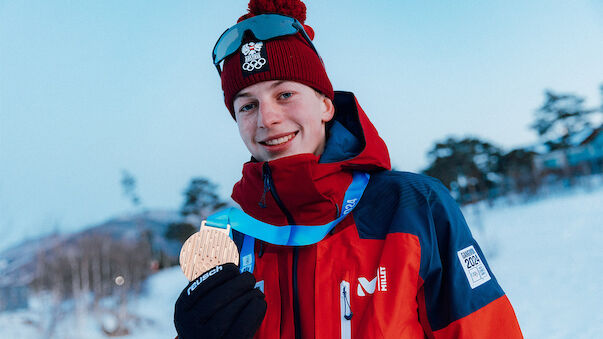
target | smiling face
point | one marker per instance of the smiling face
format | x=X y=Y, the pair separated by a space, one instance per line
x=282 y=118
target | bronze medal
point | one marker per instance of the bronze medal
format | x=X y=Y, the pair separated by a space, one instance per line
x=206 y=249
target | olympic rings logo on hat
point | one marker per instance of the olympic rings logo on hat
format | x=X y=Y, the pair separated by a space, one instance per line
x=253 y=58
x=254 y=64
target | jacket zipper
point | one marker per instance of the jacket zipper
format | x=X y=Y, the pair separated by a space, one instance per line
x=269 y=187
x=296 y=319
x=346 y=310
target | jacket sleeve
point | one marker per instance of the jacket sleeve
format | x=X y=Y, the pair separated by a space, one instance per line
x=458 y=295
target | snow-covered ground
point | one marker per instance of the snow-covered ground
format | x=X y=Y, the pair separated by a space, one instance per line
x=546 y=254
x=548 y=257
x=154 y=312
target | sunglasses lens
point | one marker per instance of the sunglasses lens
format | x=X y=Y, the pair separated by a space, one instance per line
x=263 y=27
x=272 y=26
x=227 y=44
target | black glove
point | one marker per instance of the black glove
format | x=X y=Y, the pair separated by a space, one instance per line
x=221 y=303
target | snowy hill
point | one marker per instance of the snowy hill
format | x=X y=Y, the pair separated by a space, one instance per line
x=546 y=255
x=17 y=264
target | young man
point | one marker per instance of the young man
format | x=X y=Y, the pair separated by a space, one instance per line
x=340 y=245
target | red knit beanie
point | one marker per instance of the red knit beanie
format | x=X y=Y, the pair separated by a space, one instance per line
x=284 y=58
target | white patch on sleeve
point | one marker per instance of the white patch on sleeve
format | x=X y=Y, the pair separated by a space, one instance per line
x=474 y=267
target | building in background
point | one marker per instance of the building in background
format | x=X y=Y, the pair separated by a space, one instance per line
x=583 y=157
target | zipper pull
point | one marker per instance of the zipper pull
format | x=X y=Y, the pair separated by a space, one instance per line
x=345 y=309
x=347 y=316
x=266 y=176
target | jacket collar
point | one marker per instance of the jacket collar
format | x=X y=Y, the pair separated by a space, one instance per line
x=304 y=189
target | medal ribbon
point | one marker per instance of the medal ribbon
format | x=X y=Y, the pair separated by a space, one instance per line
x=288 y=235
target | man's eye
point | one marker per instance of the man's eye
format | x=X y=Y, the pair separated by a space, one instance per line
x=286 y=95
x=246 y=108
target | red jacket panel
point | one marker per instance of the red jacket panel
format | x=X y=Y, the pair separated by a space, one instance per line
x=403 y=264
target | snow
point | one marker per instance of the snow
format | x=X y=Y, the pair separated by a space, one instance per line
x=546 y=254
x=158 y=305
x=153 y=310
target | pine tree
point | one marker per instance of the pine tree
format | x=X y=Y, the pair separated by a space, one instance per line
x=201 y=198
x=559 y=118
x=467 y=166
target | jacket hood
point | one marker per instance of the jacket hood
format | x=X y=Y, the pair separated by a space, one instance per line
x=308 y=190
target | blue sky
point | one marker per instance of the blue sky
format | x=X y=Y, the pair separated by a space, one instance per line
x=90 y=88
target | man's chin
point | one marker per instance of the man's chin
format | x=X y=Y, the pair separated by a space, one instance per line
x=274 y=156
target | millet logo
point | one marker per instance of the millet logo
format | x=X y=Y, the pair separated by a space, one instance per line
x=382 y=282
x=379 y=282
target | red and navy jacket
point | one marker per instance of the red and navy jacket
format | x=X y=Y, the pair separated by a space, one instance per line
x=402 y=264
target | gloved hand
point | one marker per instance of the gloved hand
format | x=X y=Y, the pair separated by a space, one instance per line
x=221 y=303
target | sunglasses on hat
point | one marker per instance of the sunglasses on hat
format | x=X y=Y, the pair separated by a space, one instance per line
x=263 y=27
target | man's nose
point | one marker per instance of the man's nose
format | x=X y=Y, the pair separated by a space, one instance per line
x=269 y=114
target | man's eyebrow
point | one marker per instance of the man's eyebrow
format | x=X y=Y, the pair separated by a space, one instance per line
x=277 y=83
x=241 y=94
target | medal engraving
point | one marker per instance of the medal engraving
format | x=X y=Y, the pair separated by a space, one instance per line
x=206 y=249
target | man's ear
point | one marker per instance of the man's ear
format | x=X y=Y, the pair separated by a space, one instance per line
x=329 y=109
